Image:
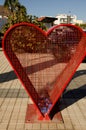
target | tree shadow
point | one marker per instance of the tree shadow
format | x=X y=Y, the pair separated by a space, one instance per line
x=7 y=76
x=75 y=94
x=14 y=93
x=68 y=98
x=79 y=73
x=70 y=95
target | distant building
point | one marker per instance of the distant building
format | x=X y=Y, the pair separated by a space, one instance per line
x=48 y=21
x=64 y=18
x=4 y=13
x=60 y=19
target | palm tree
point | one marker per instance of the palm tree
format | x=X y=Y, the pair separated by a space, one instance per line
x=18 y=13
x=11 y=4
x=22 y=13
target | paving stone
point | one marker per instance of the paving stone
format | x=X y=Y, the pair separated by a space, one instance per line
x=44 y=126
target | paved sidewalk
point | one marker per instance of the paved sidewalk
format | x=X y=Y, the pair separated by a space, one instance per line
x=14 y=100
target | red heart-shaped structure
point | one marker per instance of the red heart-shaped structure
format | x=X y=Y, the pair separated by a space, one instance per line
x=44 y=61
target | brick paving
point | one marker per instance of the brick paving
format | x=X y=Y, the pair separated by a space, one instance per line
x=14 y=100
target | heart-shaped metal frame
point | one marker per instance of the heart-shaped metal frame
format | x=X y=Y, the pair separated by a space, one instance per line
x=64 y=77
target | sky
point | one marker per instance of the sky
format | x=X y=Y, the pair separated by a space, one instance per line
x=55 y=7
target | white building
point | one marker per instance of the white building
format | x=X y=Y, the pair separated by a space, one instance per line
x=79 y=22
x=64 y=18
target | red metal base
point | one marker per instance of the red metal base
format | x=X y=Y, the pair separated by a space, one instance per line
x=32 y=116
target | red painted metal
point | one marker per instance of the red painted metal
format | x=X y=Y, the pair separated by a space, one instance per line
x=44 y=62
x=32 y=116
x=73 y=62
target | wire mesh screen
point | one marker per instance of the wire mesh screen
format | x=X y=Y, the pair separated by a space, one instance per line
x=44 y=58
x=69 y=47
x=64 y=41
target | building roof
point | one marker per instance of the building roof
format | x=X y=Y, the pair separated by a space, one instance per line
x=47 y=19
